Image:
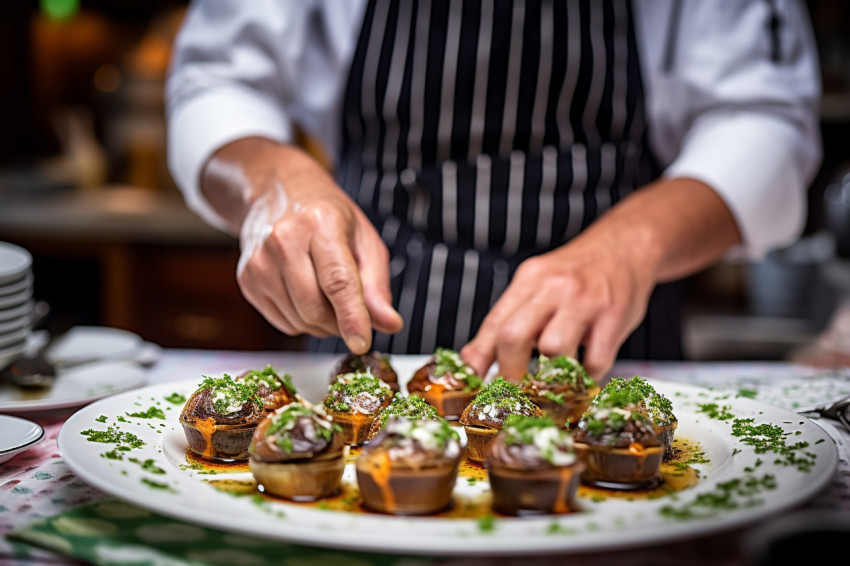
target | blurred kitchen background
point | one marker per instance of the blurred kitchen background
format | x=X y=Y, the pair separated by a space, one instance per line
x=84 y=186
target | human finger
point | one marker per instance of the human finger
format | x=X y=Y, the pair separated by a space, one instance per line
x=338 y=278
x=602 y=344
x=519 y=334
x=264 y=288
x=303 y=297
x=373 y=262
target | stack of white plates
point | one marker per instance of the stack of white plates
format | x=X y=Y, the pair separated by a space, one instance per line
x=16 y=303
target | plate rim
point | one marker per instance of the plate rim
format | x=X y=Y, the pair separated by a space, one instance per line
x=343 y=541
x=25 y=445
x=37 y=405
x=19 y=311
x=9 y=250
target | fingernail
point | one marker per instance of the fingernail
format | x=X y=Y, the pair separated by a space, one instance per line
x=357 y=345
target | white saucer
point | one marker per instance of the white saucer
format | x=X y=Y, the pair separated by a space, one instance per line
x=12 y=337
x=22 y=284
x=19 y=311
x=13 y=324
x=14 y=262
x=17 y=435
x=81 y=342
x=16 y=299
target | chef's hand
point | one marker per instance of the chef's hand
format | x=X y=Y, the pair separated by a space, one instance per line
x=594 y=290
x=590 y=292
x=310 y=261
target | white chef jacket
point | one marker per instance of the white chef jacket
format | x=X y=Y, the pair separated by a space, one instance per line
x=720 y=108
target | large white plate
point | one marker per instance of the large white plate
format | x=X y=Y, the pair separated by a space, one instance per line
x=600 y=525
x=74 y=387
x=17 y=435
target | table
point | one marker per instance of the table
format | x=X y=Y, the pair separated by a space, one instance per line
x=38 y=484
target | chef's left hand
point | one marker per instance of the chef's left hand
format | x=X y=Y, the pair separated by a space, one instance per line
x=593 y=291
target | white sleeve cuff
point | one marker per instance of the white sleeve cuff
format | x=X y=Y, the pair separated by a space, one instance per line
x=206 y=122
x=754 y=163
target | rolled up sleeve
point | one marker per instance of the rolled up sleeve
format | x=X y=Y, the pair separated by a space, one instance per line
x=735 y=106
x=225 y=83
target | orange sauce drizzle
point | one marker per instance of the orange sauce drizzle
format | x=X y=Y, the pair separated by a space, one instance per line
x=207 y=427
x=675 y=474
x=217 y=466
x=561 y=499
x=381 y=467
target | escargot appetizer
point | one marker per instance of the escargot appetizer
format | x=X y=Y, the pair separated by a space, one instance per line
x=410 y=467
x=446 y=382
x=354 y=400
x=274 y=389
x=657 y=407
x=617 y=443
x=484 y=416
x=219 y=418
x=409 y=406
x=375 y=362
x=561 y=387
x=298 y=453
x=533 y=467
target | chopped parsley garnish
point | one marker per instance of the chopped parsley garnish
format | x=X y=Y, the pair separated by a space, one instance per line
x=148 y=465
x=151 y=413
x=350 y=385
x=506 y=395
x=284 y=422
x=270 y=377
x=521 y=429
x=230 y=396
x=433 y=434
x=114 y=436
x=553 y=442
x=599 y=420
x=771 y=438
x=560 y=370
x=448 y=362
x=715 y=411
x=728 y=495
x=620 y=392
x=157 y=485
x=175 y=398
x=487 y=523
x=409 y=406
x=554 y=397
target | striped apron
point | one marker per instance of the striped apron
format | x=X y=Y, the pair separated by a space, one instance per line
x=478 y=134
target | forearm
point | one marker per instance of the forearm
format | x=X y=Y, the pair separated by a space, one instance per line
x=675 y=226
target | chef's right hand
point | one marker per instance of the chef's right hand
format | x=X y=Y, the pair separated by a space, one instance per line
x=310 y=261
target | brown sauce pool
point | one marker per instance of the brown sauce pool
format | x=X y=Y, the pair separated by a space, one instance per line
x=676 y=475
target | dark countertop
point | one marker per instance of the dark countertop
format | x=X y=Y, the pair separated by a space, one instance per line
x=114 y=213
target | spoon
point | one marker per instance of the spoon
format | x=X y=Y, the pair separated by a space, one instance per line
x=838 y=410
x=32 y=369
x=36 y=371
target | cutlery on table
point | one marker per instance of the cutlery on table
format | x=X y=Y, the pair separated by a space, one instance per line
x=838 y=410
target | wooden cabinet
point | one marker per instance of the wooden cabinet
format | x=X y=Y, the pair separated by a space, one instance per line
x=188 y=297
x=141 y=262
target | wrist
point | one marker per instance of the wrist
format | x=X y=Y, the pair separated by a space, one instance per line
x=242 y=171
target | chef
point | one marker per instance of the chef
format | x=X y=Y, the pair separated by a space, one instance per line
x=505 y=177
